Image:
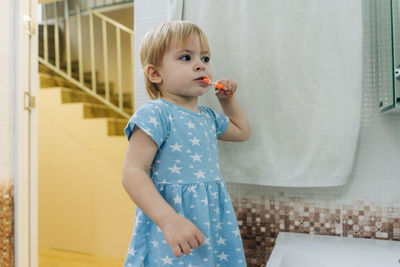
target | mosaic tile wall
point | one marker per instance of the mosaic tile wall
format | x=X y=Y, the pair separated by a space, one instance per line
x=6 y=224
x=368 y=206
x=262 y=218
x=366 y=220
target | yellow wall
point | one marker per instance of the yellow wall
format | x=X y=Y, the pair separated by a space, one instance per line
x=82 y=204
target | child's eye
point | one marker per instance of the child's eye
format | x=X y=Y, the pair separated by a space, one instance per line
x=205 y=59
x=185 y=58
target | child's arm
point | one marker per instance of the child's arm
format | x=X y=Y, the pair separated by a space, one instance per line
x=181 y=234
x=238 y=128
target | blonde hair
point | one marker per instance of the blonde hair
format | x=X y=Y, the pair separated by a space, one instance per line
x=158 y=39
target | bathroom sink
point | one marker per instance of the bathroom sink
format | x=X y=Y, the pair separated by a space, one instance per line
x=304 y=250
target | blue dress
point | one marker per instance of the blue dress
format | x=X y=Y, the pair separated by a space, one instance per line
x=185 y=171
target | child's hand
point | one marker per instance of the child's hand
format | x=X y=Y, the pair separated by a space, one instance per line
x=230 y=87
x=181 y=234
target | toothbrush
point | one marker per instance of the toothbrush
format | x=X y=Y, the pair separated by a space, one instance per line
x=217 y=85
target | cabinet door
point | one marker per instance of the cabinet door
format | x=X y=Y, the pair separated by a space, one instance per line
x=388 y=50
x=396 y=51
x=385 y=55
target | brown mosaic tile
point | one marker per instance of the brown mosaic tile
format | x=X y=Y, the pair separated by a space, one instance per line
x=256 y=228
x=260 y=221
x=6 y=224
x=371 y=221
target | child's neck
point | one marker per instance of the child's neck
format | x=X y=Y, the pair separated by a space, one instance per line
x=189 y=103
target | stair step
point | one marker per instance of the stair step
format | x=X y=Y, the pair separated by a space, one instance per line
x=63 y=64
x=44 y=69
x=75 y=96
x=87 y=76
x=101 y=90
x=74 y=66
x=99 y=111
x=70 y=116
x=115 y=123
x=100 y=86
x=50 y=80
x=116 y=126
x=126 y=100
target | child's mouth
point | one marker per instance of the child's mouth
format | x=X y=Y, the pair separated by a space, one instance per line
x=201 y=79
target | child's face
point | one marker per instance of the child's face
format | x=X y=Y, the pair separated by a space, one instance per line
x=183 y=68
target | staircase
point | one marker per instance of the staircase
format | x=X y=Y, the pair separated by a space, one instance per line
x=92 y=108
x=52 y=76
x=99 y=4
x=74 y=41
x=82 y=204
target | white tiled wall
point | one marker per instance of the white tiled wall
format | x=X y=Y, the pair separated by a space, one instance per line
x=5 y=90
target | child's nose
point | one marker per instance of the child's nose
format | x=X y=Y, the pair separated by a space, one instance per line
x=199 y=66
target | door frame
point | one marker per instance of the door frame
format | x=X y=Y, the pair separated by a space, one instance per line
x=25 y=147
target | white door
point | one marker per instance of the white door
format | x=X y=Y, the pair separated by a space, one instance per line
x=25 y=79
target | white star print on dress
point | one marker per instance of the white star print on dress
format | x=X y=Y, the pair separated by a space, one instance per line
x=155 y=243
x=175 y=169
x=196 y=157
x=177 y=199
x=200 y=174
x=167 y=260
x=190 y=125
x=195 y=141
x=223 y=256
x=221 y=241
x=185 y=171
x=154 y=121
x=176 y=147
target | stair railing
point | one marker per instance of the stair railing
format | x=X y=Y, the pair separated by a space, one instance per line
x=100 y=4
x=80 y=82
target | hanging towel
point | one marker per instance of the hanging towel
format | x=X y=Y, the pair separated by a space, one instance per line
x=174 y=10
x=299 y=69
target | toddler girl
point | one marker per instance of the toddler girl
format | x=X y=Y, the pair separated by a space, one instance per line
x=184 y=215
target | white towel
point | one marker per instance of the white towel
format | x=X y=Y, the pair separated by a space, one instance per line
x=299 y=68
x=174 y=10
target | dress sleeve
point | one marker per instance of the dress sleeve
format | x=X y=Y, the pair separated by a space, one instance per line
x=221 y=121
x=151 y=119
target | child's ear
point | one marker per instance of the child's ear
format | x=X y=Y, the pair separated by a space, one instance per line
x=153 y=74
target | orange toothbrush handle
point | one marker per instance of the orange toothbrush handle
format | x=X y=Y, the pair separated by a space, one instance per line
x=219 y=86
